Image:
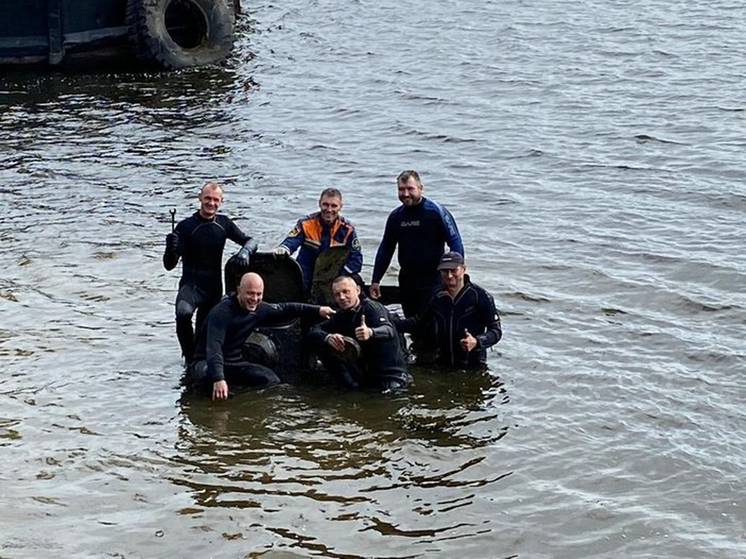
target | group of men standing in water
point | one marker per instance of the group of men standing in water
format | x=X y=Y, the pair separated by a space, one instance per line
x=442 y=308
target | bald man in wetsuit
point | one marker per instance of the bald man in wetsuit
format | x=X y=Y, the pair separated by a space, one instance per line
x=199 y=241
x=219 y=359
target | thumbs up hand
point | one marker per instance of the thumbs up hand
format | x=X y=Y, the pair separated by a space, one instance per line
x=362 y=332
x=468 y=342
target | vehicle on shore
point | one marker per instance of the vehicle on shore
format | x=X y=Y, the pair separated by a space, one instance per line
x=169 y=34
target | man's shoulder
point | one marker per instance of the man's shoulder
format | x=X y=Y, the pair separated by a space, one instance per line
x=374 y=306
x=479 y=292
x=309 y=217
x=223 y=220
x=189 y=222
x=226 y=306
x=433 y=206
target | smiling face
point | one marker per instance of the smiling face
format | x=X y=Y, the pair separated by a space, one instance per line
x=410 y=191
x=250 y=291
x=330 y=207
x=453 y=278
x=346 y=293
x=210 y=199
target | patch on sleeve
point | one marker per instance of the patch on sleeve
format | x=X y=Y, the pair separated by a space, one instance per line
x=294 y=232
x=356 y=243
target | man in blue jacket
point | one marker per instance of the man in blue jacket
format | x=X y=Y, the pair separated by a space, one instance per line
x=463 y=317
x=421 y=228
x=320 y=231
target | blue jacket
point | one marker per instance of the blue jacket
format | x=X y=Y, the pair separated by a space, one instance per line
x=313 y=236
x=421 y=232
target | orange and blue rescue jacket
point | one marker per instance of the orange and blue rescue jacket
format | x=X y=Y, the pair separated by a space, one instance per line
x=312 y=236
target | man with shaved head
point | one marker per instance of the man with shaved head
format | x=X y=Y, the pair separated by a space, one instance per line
x=218 y=359
x=380 y=366
x=199 y=241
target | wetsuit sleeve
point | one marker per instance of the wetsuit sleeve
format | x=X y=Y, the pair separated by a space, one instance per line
x=320 y=331
x=171 y=257
x=409 y=325
x=217 y=324
x=283 y=311
x=354 y=262
x=385 y=251
x=295 y=237
x=378 y=321
x=453 y=237
x=492 y=320
x=234 y=233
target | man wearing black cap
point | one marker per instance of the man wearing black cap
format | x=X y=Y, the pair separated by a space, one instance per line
x=465 y=321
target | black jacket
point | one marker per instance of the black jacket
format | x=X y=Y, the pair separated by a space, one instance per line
x=472 y=309
x=201 y=243
x=228 y=326
x=381 y=355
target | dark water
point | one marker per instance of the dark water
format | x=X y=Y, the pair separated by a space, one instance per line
x=593 y=155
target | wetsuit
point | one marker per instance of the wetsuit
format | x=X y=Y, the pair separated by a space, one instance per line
x=201 y=243
x=313 y=236
x=421 y=232
x=219 y=352
x=381 y=364
x=472 y=309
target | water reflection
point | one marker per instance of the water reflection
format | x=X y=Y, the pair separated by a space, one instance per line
x=307 y=440
x=365 y=462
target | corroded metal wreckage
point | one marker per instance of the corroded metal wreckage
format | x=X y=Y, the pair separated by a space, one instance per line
x=168 y=34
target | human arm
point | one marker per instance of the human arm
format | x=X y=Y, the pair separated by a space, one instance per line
x=279 y=312
x=293 y=241
x=491 y=318
x=216 y=328
x=354 y=261
x=243 y=256
x=327 y=332
x=383 y=256
x=173 y=251
x=453 y=236
x=374 y=323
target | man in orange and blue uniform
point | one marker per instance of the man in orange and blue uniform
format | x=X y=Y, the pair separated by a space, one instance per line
x=320 y=231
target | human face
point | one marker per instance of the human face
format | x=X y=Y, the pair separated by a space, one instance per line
x=453 y=279
x=346 y=293
x=410 y=192
x=330 y=207
x=210 y=200
x=250 y=292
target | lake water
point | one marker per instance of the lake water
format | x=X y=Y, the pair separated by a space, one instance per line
x=593 y=155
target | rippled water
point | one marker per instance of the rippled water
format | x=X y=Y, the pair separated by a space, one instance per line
x=593 y=155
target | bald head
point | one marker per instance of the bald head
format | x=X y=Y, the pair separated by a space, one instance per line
x=210 y=199
x=250 y=291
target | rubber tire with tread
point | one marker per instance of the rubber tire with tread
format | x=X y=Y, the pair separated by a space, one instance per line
x=152 y=42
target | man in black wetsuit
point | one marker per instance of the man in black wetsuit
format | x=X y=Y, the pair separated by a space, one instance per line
x=380 y=365
x=463 y=317
x=199 y=241
x=218 y=359
x=421 y=228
